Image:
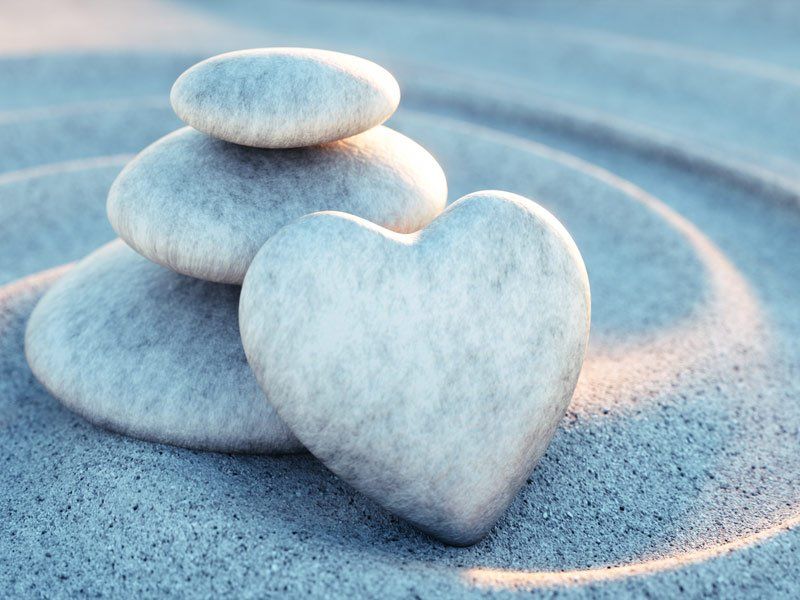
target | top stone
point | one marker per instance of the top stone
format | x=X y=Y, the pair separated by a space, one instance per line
x=284 y=97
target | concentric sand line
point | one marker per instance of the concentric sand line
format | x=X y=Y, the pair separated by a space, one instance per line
x=631 y=377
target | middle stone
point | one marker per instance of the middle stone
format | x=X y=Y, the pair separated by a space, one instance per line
x=204 y=207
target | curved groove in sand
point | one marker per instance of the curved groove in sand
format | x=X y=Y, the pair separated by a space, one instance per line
x=658 y=48
x=740 y=320
x=512 y=579
x=67 y=166
x=608 y=361
x=508 y=97
x=79 y=108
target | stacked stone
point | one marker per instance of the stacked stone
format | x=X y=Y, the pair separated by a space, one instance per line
x=273 y=135
x=429 y=371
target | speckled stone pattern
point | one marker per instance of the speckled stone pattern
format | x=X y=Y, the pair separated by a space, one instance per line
x=204 y=207
x=662 y=134
x=144 y=351
x=284 y=97
x=428 y=370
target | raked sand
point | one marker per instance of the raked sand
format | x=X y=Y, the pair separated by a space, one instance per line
x=666 y=140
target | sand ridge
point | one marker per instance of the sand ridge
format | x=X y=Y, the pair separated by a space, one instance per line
x=677 y=466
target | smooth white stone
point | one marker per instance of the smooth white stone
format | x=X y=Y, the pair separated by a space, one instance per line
x=144 y=351
x=284 y=97
x=428 y=370
x=204 y=207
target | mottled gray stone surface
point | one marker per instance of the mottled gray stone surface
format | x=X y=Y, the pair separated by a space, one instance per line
x=139 y=349
x=204 y=207
x=284 y=97
x=675 y=471
x=428 y=370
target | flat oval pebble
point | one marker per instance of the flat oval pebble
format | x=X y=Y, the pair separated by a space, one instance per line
x=284 y=97
x=149 y=353
x=204 y=207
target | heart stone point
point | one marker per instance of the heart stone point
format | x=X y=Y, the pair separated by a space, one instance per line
x=429 y=370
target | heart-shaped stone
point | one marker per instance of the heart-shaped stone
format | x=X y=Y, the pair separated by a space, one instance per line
x=428 y=370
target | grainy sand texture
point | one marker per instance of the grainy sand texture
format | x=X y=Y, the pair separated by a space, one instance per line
x=664 y=136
